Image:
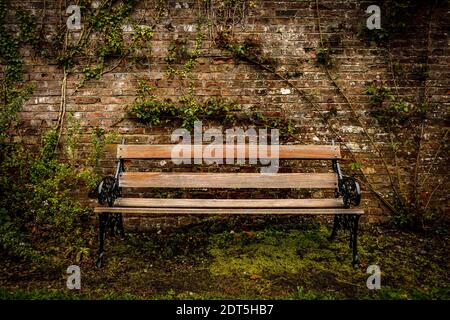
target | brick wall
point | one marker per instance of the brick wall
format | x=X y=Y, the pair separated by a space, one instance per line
x=288 y=32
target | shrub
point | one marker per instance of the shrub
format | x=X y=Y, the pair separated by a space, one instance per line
x=37 y=201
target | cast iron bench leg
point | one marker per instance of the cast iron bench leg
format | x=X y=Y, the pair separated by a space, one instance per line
x=108 y=222
x=349 y=222
x=102 y=217
x=354 y=235
x=336 y=223
x=120 y=227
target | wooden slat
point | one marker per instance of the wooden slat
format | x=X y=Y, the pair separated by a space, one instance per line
x=229 y=203
x=214 y=211
x=320 y=152
x=227 y=180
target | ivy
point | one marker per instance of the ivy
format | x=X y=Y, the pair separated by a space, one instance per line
x=142 y=36
x=99 y=138
x=249 y=50
x=389 y=110
x=185 y=111
x=378 y=93
x=404 y=121
x=102 y=32
x=107 y=26
x=323 y=57
x=36 y=188
x=36 y=200
x=152 y=111
x=9 y=53
x=9 y=110
x=179 y=54
x=13 y=92
x=28 y=31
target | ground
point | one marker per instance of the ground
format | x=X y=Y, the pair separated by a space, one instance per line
x=245 y=258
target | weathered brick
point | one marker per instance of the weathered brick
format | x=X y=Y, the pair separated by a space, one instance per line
x=86 y=100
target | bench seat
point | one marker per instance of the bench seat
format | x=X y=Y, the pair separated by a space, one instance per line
x=227 y=203
x=227 y=211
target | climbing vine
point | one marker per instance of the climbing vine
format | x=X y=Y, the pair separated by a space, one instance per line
x=13 y=92
x=403 y=119
x=179 y=54
x=398 y=17
x=394 y=112
x=181 y=60
x=186 y=110
x=37 y=189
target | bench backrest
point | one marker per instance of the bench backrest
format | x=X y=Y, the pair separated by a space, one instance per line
x=229 y=180
x=164 y=151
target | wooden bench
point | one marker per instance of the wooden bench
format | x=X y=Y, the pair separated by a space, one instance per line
x=345 y=190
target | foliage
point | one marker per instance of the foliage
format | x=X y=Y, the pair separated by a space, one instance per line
x=28 y=31
x=180 y=54
x=14 y=92
x=106 y=24
x=39 y=196
x=323 y=57
x=186 y=110
x=402 y=119
x=8 y=112
x=404 y=122
x=249 y=50
x=9 y=54
x=37 y=200
x=387 y=109
x=99 y=138
x=101 y=40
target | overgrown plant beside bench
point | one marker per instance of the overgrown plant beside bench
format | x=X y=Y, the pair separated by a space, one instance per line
x=114 y=203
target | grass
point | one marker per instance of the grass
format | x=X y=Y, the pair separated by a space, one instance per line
x=245 y=258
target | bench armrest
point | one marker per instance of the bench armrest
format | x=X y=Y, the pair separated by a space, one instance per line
x=348 y=187
x=107 y=191
x=350 y=190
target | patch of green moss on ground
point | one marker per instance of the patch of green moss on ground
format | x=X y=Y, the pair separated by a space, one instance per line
x=270 y=252
x=322 y=269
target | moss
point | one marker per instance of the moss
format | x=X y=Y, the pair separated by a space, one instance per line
x=305 y=259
